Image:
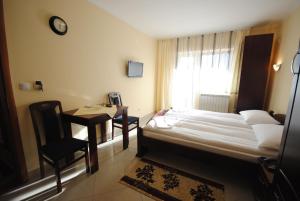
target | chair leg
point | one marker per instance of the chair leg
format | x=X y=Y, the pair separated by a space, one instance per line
x=58 y=179
x=87 y=159
x=42 y=167
x=112 y=131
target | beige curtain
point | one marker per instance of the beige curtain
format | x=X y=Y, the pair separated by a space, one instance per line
x=206 y=51
x=166 y=62
x=237 y=62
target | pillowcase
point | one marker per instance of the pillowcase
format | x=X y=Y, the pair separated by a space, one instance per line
x=268 y=135
x=258 y=117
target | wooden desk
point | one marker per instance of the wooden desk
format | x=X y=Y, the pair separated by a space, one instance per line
x=90 y=121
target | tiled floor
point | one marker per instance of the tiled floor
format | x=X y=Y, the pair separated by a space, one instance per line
x=104 y=184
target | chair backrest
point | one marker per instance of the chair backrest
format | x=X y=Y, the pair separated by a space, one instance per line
x=47 y=123
x=114 y=98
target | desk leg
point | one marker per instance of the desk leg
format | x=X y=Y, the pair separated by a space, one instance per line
x=93 y=148
x=125 y=130
x=103 y=132
x=68 y=132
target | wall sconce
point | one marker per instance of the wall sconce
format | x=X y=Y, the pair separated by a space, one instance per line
x=276 y=67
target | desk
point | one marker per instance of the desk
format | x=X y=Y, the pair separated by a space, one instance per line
x=90 y=121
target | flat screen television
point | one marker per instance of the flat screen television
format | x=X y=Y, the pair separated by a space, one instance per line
x=135 y=69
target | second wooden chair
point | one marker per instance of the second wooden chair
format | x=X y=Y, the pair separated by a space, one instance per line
x=114 y=98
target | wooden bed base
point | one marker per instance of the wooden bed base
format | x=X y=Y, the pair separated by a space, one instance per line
x=146 y=145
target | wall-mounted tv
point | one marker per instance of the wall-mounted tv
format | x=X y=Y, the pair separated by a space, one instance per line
x=135 y=69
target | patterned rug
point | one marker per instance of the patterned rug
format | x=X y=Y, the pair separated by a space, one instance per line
x=164 y=183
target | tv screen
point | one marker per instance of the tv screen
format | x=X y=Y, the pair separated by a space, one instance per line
x=135 y=69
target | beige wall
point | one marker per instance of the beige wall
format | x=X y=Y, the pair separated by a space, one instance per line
x=265 y=28
x=290 y=37
x=78 y=68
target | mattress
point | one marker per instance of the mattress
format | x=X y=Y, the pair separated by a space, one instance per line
x=221 y=133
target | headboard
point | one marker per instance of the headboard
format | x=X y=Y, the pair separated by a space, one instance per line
x=278 y=117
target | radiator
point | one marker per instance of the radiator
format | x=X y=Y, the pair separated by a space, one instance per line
x=216 y=103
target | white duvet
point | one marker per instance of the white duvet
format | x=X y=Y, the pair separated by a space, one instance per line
x=222 y=133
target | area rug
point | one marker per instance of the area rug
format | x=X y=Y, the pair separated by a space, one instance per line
x=165 y=183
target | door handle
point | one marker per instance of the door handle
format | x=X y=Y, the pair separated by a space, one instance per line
x=296 y=62
x=292 y=65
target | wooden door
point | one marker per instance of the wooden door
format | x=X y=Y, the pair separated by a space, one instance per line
x=254 y=73
x=13 y=169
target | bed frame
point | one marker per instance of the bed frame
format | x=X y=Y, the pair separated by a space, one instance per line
x=146 y=145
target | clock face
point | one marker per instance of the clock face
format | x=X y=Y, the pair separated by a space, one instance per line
x=58 y=25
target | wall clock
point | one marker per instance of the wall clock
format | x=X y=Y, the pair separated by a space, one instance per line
x=58 y=25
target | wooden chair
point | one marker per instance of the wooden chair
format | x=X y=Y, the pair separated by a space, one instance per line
x=53 y=146
x=114 y=98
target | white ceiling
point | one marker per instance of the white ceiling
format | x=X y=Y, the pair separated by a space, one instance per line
x=169 y=18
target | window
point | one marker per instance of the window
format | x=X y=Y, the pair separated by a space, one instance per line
x=215 y=73
x=203 y=67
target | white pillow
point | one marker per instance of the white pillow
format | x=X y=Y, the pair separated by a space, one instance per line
x=268 y=135
x=257 y=117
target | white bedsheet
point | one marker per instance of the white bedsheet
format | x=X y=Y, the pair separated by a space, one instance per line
x=221 y=133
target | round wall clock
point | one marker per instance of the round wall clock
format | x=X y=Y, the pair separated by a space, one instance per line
x=58 y=25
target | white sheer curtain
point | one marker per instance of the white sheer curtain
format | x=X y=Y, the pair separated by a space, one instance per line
x=186 y=74
x=204 y=66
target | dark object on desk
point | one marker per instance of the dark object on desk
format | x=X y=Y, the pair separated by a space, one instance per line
x=90 y=121
x=52 y=143
x=115 y=99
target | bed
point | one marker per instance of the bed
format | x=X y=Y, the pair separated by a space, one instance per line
x=195 y=131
